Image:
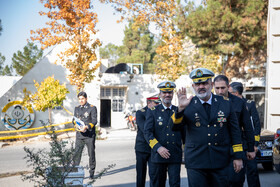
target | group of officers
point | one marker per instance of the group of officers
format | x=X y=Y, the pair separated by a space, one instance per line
x=220 y=134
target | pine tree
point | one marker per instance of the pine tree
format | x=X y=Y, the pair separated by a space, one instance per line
x=138 y=47
x=24 y=61
x=7 y=70
x=235 y=30
x=110 y=51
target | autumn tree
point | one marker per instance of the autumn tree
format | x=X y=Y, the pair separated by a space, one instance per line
x=71 y=21
x=162 y=13
x=4 y=70
x=235 y=30
x=24 y=61
x=50 y=94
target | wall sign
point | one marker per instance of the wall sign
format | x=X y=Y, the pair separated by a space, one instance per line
x=15 y=116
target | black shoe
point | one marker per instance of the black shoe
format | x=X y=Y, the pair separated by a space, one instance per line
x=91 y=176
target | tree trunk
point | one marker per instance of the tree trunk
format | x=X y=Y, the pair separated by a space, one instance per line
x=50 y=115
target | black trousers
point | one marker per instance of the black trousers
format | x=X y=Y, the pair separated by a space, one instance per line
x=142 y=160
x=236 y=179
x=252 y=173
x=161 y=169
x=208 y=177
x=79 y=146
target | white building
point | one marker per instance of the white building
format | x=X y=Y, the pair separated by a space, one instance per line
x=272 y=112
x=114 y=95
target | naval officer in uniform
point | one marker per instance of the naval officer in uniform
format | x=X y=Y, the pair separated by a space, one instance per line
x=221 y=86
x=211 y=129
x=85 y=136
x=253 y=180
x=166 y=145
x=142 y=148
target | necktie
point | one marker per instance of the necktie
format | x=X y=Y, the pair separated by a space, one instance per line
x=207 y=108
x=168 y=111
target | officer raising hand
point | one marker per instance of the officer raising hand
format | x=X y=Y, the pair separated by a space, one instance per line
x=211 y=127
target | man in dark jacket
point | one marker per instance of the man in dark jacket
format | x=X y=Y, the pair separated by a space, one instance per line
x=236 y=88
x=211 y=129
x=221 y=86
x=142 y=148
x=86 y=133
x=165 y=143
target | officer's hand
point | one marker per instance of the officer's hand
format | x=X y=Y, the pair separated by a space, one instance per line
x=182 y=99
x=84 y=129
x=251 y=155
x=164 y=153
x=237 y=165
x=256 y=149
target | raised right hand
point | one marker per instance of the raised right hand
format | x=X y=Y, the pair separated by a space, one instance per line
x=182 y=99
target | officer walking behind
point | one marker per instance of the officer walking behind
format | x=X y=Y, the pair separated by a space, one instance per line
x=211 y=128
x=166 y=144
x=236 y=88
x=221 y=86
x=142 y=148
x=88 y=114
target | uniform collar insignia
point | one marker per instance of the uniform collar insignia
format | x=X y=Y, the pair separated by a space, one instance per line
x=215 y=99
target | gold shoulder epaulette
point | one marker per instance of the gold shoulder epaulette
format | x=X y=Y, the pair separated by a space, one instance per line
x=153 y=108
x=225 y=98
x=142 y=110
x=91 y=106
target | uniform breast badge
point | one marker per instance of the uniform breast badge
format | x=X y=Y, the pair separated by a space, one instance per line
x=86 y=114
x=221 y=119
x=159 y=120
x=197 y=119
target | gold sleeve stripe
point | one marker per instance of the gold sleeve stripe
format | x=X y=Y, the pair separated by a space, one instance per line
x=176 y=121
x=153 y=142
x=257 y=138
x=91 y=125
x=237 y=148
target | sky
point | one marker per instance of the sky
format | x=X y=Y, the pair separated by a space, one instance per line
x=18 y=17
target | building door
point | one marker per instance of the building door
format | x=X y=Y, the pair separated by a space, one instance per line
x=115 y=105
x=105 y=113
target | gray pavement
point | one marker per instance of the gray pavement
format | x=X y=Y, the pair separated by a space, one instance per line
x=117 y=149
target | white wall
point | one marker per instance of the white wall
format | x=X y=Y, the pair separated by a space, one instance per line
x=272 y=114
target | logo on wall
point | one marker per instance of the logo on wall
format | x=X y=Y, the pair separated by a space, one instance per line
x=15 y=116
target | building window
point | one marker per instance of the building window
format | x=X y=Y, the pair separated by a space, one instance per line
x=102 y=92
x=115 y=91
x=116 y=95
x=108 y=92
x=117 y=105
x=121 y=92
